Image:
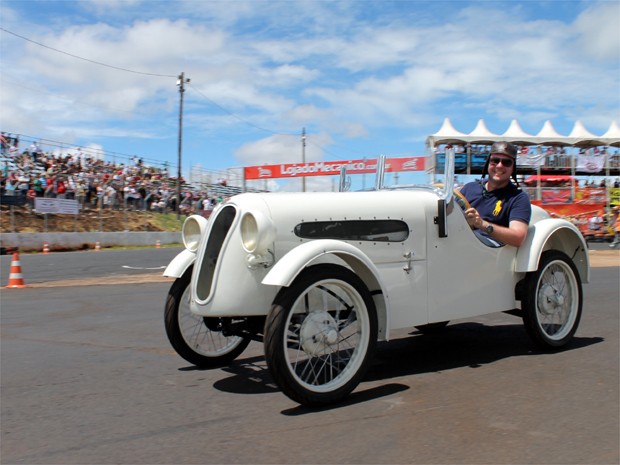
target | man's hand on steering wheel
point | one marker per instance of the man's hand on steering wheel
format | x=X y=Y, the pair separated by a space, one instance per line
x=471 y=214
x=461 y=200
x=473 y=218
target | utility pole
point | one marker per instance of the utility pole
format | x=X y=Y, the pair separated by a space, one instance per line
x=303 y=157
x=181 y=83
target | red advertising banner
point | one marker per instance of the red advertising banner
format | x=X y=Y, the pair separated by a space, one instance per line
x=552 y=195
x=591 y=195
x=331 y=168
x=570 y=209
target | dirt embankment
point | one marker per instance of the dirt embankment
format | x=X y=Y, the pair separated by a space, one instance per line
x=22 y=221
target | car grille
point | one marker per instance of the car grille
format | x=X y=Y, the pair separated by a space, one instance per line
x=222 y=222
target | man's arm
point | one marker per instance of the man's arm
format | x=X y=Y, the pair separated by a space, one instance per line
x=511 y=235
x=514 y=234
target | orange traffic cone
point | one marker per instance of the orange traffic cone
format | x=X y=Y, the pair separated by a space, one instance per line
x=97 y=246
x=46 y=247
x=157 y=244
x=15 y=277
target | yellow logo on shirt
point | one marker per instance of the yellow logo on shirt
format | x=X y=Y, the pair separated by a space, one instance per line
x=498 y=208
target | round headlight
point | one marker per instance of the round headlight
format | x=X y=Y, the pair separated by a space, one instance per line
x=257 y=232
x=193 y=229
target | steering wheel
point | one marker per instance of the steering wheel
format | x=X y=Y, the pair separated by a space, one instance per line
x=461 y=200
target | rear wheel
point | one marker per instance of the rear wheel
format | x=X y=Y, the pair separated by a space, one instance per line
x=199 y=340
x=552 y=301
x=320 y=335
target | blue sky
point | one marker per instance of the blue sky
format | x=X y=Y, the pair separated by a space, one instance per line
x=364 y=78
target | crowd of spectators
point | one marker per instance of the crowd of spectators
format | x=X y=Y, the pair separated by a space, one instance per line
x=30 y=172
x=95 y=183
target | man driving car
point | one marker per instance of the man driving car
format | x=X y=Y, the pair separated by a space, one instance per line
x=500 y=211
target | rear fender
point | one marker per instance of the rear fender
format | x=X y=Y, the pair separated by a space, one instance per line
x=553 y=234
x=180 y=264
x=288 y=268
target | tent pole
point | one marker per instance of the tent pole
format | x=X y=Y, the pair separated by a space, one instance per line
x=573 y=171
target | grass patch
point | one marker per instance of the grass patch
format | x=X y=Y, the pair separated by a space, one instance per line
x=168 y=221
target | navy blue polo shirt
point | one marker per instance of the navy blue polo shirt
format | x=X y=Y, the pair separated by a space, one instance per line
x=500 y=206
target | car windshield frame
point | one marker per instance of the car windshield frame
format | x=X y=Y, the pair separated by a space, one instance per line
x=444 y=190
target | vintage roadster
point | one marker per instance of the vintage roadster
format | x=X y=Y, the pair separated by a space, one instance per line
x=319 y=278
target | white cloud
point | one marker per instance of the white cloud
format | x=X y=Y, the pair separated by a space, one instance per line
x=599 y=30
x=347 y=70
x=282 y=149
x=270 y=150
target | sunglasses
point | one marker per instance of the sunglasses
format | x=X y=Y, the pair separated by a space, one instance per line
x=506 y=162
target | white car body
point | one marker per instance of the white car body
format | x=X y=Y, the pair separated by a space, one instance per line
x=449 y=278
x=440 y=271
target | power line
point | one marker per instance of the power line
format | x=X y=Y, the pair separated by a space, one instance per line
x=260 y=128
x=269 y=130
x=239 y=117
x=85 y=59
x=147 y=74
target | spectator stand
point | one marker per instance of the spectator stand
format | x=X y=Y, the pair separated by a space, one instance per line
x=48 y=169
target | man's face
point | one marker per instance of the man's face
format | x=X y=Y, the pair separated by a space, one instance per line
x=500 y=168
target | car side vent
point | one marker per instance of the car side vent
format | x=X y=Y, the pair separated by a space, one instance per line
x=354 y=230
x=222 y=222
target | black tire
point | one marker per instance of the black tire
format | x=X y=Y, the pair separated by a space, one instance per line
x=432 y=328
x=197 y=338
x=552 y=301
x=320 y=335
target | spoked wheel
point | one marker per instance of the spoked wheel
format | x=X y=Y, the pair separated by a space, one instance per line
x=320 y=335
x=552 y=301
x=199 y=340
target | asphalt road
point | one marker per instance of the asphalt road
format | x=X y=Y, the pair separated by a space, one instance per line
x=39 y=267
x=88 y=376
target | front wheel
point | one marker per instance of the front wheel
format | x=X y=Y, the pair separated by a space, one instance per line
x=199 y=340
x=320 y=335
x=552 y=301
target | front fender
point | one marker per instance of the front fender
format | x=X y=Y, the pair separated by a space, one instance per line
x=553 y=234
x=288 y=267
x=180 y=264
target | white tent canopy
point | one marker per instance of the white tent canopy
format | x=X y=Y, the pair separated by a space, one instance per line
x=482 y=134
x=448 y=134
x=515 y=134
x=584 y=138
x=613 y=134
x=579 y=136
x=549 y=135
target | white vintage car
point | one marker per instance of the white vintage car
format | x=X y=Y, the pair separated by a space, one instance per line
x=319 y=278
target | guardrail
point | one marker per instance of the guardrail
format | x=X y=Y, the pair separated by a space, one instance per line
x=84 y=241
